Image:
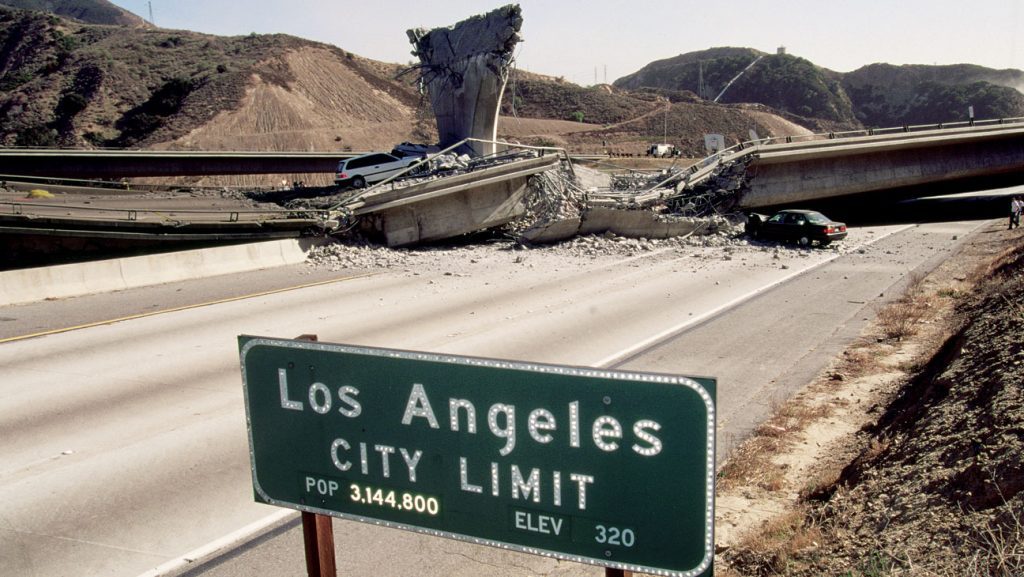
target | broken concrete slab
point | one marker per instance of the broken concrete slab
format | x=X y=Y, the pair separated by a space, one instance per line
x=451 y=206
x=626 y=223
x=643 y=223
x=464 y=68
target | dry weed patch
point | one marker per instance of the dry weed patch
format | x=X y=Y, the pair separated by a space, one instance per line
x=777 y=545
x=753 y=463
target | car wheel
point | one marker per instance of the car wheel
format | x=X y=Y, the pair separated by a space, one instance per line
x=804 y=241
x=358 y=182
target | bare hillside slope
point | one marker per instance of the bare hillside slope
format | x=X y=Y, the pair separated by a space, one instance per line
x=331 y=104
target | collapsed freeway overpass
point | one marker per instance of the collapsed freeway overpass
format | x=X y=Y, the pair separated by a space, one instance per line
x=910 y=160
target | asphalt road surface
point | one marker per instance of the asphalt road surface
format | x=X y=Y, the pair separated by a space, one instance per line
x=125 y=443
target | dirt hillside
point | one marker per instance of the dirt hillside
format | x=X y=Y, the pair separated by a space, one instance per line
x=329 y=105
x=906 y=457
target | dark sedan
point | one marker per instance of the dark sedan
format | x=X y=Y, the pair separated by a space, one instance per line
x=803 y=227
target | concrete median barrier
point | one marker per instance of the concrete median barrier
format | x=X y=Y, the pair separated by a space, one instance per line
x=69 y=280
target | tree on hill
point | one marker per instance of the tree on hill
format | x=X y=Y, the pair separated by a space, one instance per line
x=887 y=95
x=935 y=102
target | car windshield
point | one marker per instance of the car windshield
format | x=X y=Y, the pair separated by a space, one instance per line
x=817 y=218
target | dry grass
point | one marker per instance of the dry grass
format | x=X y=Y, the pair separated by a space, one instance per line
x=751 y=465
x=857 y=362
x=999 y=551
x=902 y=318
x=775 y=547
x=998 y=544
x=753 y=462
x=899 y=320
x=821 y=481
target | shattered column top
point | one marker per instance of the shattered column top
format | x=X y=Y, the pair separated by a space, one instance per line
x=464 y=67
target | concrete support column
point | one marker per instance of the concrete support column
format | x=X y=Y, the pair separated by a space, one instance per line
x=464 y=68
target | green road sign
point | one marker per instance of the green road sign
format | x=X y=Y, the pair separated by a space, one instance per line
x=599 y=466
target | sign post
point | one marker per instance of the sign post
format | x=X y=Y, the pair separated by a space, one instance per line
x=605 y=467
x=318 y=533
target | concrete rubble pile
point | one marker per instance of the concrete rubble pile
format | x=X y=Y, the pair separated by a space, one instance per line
x=459 y=262
x=718 y=194
x=551 y=196
x=450 y=164
x=670 y=192
x=641 y=181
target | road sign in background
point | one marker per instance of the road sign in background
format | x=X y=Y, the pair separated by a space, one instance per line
x=606 y=467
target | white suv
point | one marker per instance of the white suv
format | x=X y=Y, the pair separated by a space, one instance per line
x=369 y=168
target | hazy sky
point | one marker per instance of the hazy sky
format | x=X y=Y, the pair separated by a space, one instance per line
x=575 y=38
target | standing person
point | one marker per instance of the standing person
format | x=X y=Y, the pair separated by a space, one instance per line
x=1016 y=207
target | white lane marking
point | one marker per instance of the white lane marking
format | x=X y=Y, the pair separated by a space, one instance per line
x=608 y=361
x=231 y=540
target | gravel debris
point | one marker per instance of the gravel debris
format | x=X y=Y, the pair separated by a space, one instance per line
x=578 y=251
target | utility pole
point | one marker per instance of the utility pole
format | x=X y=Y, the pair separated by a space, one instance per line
x=700 y=79
x=664 y=137
x=151 y=13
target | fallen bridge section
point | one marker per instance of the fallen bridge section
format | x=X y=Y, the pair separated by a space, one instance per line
x=451 y=206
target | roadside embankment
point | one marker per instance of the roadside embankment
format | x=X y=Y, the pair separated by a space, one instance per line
x=932 y=483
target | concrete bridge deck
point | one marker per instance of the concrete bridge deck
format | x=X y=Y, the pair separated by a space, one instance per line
x=118 y=164
x=964 y=159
